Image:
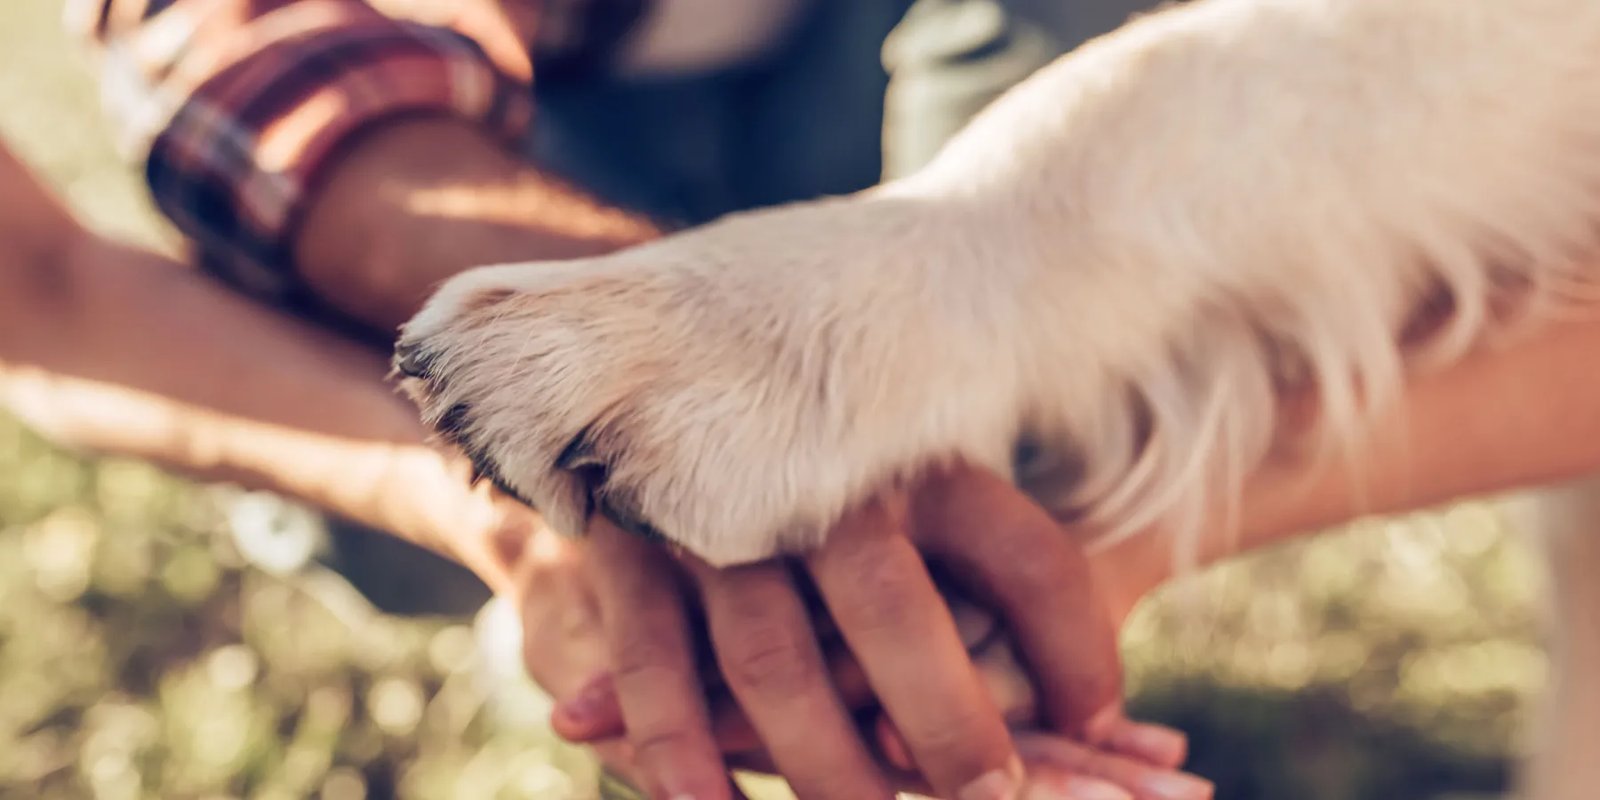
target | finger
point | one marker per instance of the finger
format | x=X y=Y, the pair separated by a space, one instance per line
x=1000 y=545
x=617 y=759
x=1044 y=781
x=621 y=779
x=899 y=628
x=1073 y=769
x=1009 y=688
x=1154 y=744
x=1144 y=781
x=656 y=683
x=893 y=746
x=1012 y=687
x=1031 y=570
x=1013 y=691
x=1052 y=785
x=734 y=731
x=775 y=669
x=593 y=714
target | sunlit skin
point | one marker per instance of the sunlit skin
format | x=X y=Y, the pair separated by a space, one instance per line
x=73 y=328
x=358 y=451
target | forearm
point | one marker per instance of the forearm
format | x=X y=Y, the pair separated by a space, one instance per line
x=1511 y=418
x=350 y=477
x=363 y=185
x=1521 y=416
x=418 y=201
x=129 y=354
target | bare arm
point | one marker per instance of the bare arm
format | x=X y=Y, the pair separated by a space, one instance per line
x=1520 y=416
x=119 y=350
x=419 y=201
x=247 y=394
x=365 y=209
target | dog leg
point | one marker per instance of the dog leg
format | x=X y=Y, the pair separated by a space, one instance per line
x=1115 y=270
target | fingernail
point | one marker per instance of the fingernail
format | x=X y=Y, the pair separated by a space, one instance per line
x=1157 y=744
x=1103 y=724
x=589 y=703
x=1154 y=743
x=1076 y=787
x=1177 y=786
x=1001 y=784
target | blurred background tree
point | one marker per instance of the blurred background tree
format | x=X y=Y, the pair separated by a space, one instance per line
x=140 y=657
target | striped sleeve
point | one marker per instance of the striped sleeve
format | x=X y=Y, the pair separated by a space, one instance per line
x=238 y=107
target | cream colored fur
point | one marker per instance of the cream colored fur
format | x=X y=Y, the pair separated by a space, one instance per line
x=1122 y=264
x=1122 y=261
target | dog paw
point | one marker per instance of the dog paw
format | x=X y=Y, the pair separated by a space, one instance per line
x=733 y=389
x=1125 y=263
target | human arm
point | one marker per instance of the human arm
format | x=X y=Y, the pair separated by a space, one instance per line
x=395 y=218
x=321 y=153
x=124 y=351
x=1521 y=414
x=416 y=200
x=227 y=398
x=116 y=349
x=1511 y=417
x=390 y=237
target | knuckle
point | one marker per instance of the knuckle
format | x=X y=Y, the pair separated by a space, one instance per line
x=646 y=654
x=960 y=742
x=1034 y=577
x=662 y=740
x=884 y=591
x=771 y=660
x=1028 y=548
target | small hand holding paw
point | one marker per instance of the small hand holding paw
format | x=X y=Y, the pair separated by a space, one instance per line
x=793 y=684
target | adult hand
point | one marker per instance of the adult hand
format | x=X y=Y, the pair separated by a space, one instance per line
x=116 y=349
x=375 y=469
x=879 y=592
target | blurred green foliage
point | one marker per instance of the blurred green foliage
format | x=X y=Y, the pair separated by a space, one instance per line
x=1395 y=660
x=141 y=658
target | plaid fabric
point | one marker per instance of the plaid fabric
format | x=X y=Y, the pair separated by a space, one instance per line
x=235 y=165
x=238 y=107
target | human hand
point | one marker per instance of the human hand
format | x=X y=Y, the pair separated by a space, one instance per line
x=803 y=698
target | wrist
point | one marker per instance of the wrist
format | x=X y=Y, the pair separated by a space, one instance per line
x=432 y=498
